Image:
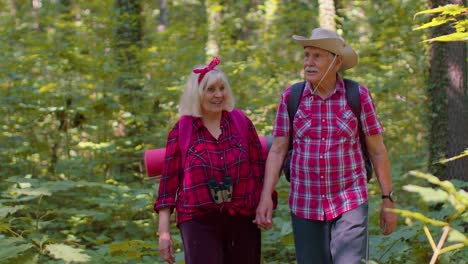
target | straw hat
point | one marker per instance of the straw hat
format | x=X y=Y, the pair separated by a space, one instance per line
x=330 y=41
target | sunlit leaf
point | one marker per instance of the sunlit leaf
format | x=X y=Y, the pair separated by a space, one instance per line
x=420 y=217
x=428 y=194
x=5 y=210
x=450 y=9
x=67 y=253
x=437 y=21
x=457 y=236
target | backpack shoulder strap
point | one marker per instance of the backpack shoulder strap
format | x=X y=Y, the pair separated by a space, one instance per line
x=353 y=97
x=293 y=103
x=240 y=122
x=185 y=135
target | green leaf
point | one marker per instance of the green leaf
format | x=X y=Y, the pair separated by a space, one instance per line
x=427 y=194
x=457 y=236
x=452 y=10
x=436 y=21
x=457 y=36
x=12 y=247
x=420 y=217
x=4 y=227
x=67 y=253
x=5 y=210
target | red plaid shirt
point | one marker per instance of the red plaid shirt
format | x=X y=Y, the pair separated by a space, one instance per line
x=328 y=175
x=206 y=158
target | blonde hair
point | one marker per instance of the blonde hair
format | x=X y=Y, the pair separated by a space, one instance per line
x=190 y=100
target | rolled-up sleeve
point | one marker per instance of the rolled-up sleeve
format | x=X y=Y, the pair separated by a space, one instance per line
x=169 y=182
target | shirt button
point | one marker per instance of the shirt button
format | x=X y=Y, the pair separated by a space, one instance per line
x=321 y=176
x=323 y=138
x=323 y=196
x=321 y=157
x=323 y=120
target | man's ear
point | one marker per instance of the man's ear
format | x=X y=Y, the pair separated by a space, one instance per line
x=338 y=62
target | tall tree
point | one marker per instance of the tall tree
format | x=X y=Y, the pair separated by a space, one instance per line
x=128 y=42
x=327 y=14
x=163 y=19
x=214 y=8
x=448 y=113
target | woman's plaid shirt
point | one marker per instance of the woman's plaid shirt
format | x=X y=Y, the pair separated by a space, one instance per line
x=186 y=189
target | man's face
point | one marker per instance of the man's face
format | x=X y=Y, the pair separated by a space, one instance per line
x=316 y=62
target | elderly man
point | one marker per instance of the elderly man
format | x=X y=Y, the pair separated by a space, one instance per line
x=328 y=195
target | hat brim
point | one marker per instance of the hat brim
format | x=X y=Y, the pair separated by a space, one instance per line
x=334 y=45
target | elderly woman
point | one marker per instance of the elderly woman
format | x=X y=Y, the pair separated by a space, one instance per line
x=213 y=175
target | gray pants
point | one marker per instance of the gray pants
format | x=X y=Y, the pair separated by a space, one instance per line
x=342 y=240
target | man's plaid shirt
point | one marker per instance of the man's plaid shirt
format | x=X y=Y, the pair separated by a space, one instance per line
x=328 y=175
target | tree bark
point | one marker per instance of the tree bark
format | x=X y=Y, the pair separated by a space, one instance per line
x=128 y=42
x=448 y=103
x=163 y=19
x=13 y=8
x=327 y=14
x=214 y=22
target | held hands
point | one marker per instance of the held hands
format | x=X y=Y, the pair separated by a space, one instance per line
x=263 y=217
x=388 y=220
x=166 y=248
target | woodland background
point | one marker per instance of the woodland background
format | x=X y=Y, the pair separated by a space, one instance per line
x=88 y=86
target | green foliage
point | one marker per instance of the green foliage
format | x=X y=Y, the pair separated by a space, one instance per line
x=67 y=253
x=451 y=220
x=75 y=221
x=72 y=145
x=448 y=14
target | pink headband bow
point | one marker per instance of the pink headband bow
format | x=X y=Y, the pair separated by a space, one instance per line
x=202 y=71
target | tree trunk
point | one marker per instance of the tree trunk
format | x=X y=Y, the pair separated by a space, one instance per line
x=128 y=42
x=163 y=20
x=36 y=5
x=214 y=22
x=448 y=103
x=327 y=14
x=13 y=8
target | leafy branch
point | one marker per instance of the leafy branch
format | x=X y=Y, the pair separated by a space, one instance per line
x=447 y=193
x=454 y=14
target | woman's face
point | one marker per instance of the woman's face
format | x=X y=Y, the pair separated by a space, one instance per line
x=213 y=98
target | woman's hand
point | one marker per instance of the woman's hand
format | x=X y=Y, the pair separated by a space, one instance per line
x=166 y=248
x=263 y=217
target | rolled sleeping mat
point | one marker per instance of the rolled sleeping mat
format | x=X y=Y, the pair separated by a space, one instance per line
x=154 y=158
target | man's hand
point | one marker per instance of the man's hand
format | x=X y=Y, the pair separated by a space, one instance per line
x=166 y=248
x=388 y=220
x=263 y=217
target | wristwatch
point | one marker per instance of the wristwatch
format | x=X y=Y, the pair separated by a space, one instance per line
x=390 y=196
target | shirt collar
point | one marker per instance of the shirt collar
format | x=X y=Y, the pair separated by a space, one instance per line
x=199 y=122
x=339 y=86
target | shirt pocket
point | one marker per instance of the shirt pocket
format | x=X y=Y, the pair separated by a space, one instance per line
x=196 y=156
x=345 y=124
x=237 y=156
x=303 y=124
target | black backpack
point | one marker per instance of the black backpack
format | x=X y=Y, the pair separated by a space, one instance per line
x=354 y=101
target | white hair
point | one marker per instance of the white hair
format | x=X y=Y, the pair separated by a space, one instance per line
x=190 y=101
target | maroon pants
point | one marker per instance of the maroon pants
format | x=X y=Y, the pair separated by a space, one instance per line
x=219 y=238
